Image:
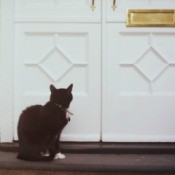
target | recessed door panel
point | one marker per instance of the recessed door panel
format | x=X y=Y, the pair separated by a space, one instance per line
x=140 y=93
x=60 y=55
x=58 y=10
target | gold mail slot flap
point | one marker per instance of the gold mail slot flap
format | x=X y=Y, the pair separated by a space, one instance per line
x=151 y=18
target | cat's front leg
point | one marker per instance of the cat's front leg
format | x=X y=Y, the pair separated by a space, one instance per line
x=59 y=155
x=57 y=142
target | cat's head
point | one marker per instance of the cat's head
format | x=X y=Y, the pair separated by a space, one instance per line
x=61 y=96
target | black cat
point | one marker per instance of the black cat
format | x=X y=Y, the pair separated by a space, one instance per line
x=39 y=127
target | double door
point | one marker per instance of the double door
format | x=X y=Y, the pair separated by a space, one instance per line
x=123 y=77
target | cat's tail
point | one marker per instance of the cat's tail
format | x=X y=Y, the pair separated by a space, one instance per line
x=36 y=158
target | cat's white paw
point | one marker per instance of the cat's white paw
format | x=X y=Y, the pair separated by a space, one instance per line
x=45 y=154
x=59 y=156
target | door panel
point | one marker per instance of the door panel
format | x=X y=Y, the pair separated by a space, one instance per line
x=60 y=54
x=139 y=67
x=57 y=10
x=140 y=88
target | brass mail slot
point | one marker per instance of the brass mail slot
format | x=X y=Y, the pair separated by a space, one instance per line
x=151 y=18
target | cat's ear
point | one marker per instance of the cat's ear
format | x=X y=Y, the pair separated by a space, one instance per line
x=52 y=88
x=70 y=88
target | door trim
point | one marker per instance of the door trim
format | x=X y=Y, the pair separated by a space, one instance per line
x=6 y=70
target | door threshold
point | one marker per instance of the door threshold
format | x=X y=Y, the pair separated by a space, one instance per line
x=105 y=148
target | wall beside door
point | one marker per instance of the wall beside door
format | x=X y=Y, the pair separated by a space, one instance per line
x=6 y=71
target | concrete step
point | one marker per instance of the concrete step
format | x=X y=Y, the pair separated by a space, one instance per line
x=82 y=158
x=35 y=172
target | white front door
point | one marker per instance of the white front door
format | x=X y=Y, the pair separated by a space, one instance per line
x=139 y=81
x=53 y=46
x=124 y=85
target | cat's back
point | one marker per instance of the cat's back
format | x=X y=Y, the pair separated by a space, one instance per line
x=29 y=116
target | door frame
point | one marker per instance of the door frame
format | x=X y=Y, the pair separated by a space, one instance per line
x=6 y=70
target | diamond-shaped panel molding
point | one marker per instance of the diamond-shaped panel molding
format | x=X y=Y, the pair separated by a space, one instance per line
x=151 y=64
x=55 y=64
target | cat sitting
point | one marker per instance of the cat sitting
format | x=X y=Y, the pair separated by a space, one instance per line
x=40 y=127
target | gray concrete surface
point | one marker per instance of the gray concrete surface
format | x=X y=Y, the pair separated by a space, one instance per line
x=31 y=172
x=110 y=163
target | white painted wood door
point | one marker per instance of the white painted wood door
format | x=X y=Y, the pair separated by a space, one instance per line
x=139 y=78
x=52 y=45
x=64 y=41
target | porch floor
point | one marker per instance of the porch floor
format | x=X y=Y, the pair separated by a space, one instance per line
x=111 y=158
